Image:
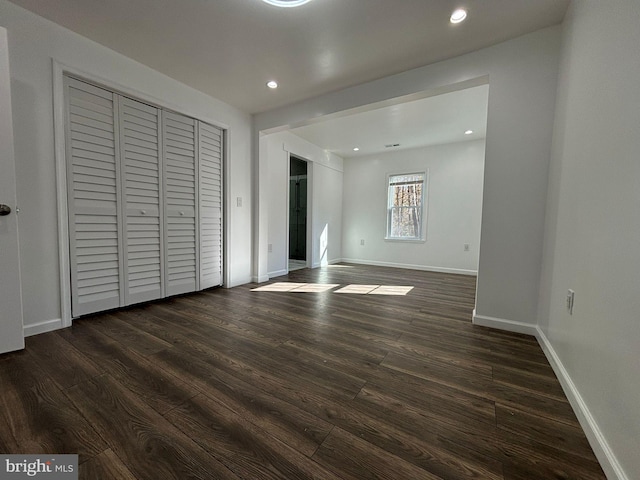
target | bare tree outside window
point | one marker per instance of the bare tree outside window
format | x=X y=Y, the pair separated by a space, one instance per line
x=405 y=206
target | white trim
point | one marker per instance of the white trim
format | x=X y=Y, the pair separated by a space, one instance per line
x=253 y=279
x=503 y=324
x=426 y=268
x=43 y=327
x=278 y=273
x=311 y=158
x=226 y=207
x=597 y=440
x=61 y=187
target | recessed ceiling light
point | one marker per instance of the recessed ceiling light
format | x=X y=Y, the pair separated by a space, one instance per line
x=356 y=149
x=468 y=132
x=272 y=84
x=457 y=16
x=286 y=3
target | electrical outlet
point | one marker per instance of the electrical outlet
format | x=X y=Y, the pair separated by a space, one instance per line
x=362 y=242
x=271 y=248
x=466 y=247
x=570 y=300
x=239 y=201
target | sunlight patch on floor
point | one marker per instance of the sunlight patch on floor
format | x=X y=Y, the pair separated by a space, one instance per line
x=279 y=287
x=391 y=290
x=325 y=287
x=316 y=287
x=296 y=287
x=358 y=289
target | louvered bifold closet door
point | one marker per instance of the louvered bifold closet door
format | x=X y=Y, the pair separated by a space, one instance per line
x=93 y=193
x=179 y=136
x=210 y=181
x=141 y=172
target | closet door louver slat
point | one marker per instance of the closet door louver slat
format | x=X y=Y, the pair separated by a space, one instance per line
x=180 y=214
x=210 y=182
x=93 y=198
x=141 y=172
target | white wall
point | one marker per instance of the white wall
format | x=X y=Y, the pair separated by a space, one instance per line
x=33 y=43
x=325 y=210
x=454 y=208
x=522 y=76
x=593 y=226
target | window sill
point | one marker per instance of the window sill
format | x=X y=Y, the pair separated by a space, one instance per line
x=405 y=240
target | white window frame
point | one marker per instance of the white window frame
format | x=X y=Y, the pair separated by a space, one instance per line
x=423 y=210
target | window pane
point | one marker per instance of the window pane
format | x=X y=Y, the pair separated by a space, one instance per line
x=405 y=222
x=406 y=195
x=405 y=206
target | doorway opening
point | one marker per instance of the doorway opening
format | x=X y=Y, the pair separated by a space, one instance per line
x=298 y=191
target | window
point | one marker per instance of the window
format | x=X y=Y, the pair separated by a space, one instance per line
x=405 y=206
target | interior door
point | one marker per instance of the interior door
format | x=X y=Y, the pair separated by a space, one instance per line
x=180 y=187
x=93 y=193
x=210 y=178
x=140 y=159
x=11 y=332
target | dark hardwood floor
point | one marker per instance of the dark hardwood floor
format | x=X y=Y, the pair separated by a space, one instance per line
x=239 y=384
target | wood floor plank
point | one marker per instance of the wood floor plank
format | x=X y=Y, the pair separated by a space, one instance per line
x=159 y=389
x=248 y=358
x=283 y=420
x=353 y=458
x=535 y=383
x=479 y=385
x=379 y=428
x=529 y=459
x=234 y=383
x=149 y=445
x=559 y=435
x=451 y=402
x=223 y=323
x=60 y=360
x=245 y=449
x=134 y=339
x=35 y=414
x=106 y=466
x=501 y=444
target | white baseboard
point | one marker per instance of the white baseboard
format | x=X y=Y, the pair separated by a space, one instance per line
x=502 y=324
x=608 y=461
x=409 y=266
x=601 y=449
x=277 y=273
x=42 y=327
x=253 y=279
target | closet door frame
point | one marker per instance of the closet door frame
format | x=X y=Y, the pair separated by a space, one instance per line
x=116 y=85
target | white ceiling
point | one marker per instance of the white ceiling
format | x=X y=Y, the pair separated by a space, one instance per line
x=229 y=49
x=430 y=121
